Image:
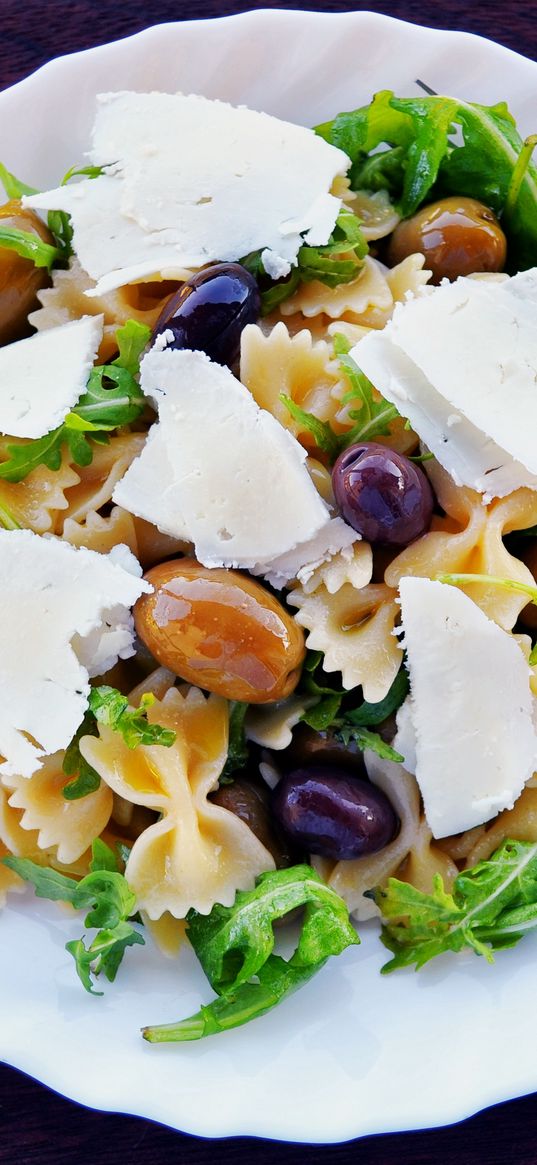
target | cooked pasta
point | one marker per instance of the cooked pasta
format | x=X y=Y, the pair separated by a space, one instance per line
x=318 y=669
x=197 y=853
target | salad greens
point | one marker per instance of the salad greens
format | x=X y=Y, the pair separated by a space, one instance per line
x=237 y=752
x=491 y=907
x=100 y=410
x=235 y=944
x=372 y=414
x=436 y=146
x=338 y=261
x=26 y=244
x=350 y=724
x=108 y=706
x=110 y=903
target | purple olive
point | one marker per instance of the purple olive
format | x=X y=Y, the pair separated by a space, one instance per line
x=211 y=310
x=382 y=494
x=329 y=811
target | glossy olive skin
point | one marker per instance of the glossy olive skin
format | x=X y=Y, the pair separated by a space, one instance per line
x=220 y=630
x=457 y=235
x=20 y=280
x=248 y=797
x=329 y=811
x=211 y=310
x=382 y=494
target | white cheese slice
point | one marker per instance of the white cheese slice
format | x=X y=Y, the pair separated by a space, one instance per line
x=217 y=469
x=41 y=378
x=470 y=708
x=460 y=362
x=300 y=563
x=111 y=248
x=190 y=181
x=65 y=616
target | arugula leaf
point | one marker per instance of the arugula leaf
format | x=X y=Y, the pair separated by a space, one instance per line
x=425 y=159
x=29 y=246
x=373 y=415
x=110 y=903
x=85 y=778
x=235 y=947
x=47 y=450
x=237 y=753
x=98 y=411
x=108 y=706
x=351 y=724
x=13 y=186
x=111 y=708
x=338 y=261
x=491 y=907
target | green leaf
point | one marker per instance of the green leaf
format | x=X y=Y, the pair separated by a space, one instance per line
x=367 y=741
x=132 y=340
x=367 y=715
x=322 y=433
x=29 y=246
x=491 y=907
x=338 y=261
x=351 y=724
x=82 y=172
x=437 y=146
x=110 y=900
x=46 y=882
x=103 y=858
x=85 y=779
x=111 y=708
x=24 y=458
x=508 y=584
x=235 y=947
x=238 y=753
x=104 y=954
x=373 y=416
x=13 y=186
x=99 y=410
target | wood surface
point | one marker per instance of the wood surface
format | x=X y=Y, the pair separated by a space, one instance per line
x=37 y=1127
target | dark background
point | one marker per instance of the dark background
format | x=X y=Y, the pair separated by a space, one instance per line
x=36 y=1126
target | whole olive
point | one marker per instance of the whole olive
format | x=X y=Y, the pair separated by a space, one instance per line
x=220 y=630
x=20 y=279
x=329 y=811
x=457 y=235
x=211 y=310
x=382 y=494
x=248 y=797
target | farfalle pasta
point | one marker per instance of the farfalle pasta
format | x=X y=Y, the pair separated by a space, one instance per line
x=197 y=853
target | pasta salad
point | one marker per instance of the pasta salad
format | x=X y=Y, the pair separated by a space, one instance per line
x=268 y=499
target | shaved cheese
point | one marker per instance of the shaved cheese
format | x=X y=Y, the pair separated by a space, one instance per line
x=65 y=617
x=466 y=730
x=159 y=209
x=218 y=470
x=303 y=560
x=41 y=378
x=460 y=362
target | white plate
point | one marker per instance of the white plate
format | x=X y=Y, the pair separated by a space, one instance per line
x=352 y=1053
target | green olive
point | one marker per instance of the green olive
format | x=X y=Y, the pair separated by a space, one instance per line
x=458 y=236
x=20 y=280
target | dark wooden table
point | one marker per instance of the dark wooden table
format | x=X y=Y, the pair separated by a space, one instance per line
x=36 y=1126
